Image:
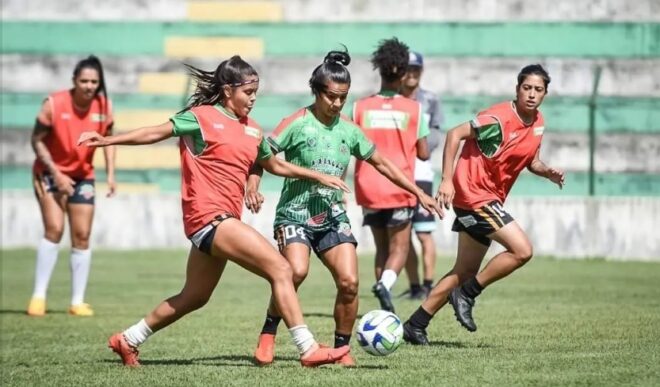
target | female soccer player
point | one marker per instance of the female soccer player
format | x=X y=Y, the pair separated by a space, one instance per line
x=311 y=217
x=395 y=125
x=219 y=144
x=499 y=143
x=63 y=179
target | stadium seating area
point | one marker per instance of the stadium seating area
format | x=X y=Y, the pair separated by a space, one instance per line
x=471 y=61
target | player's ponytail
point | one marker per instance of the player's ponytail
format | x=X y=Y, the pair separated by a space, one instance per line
x=534 y=69
x=332 y=69
x=209 y=84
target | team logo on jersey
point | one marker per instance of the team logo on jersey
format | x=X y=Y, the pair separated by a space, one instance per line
x=513 y=135
x=345 y=229
x=96 y=117
x=336 y=210
x=318 y=219
x=467 y=221
x=386 y=119
x=538 y=131
x=311 y=142
x=343 y=149
x=254 y=132
x=218 y=126
x=86 y=191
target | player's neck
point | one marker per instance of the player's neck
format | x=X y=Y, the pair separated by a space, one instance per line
x=322 y=118
x=390 y=87
x=527 y=117
x=79 y=103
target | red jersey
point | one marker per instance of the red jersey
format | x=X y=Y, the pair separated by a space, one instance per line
x=67 y=125
x=392 y=124
x=490 y=163
x=213 y=182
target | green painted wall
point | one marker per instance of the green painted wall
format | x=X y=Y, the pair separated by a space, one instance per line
x=616 y=40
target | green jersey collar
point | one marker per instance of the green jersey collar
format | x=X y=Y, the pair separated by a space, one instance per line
x=226 y=112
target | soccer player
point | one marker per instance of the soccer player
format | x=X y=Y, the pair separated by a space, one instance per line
x=312 y=217
x=423 y=221
x=63 y=179
x=396 y=126
x=499 y=143
x=219 y=144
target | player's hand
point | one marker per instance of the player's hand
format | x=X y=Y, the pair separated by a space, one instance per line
x=333 y=182
x=64 y=183
x=92 y=139
x=112 y=187
x=430 y=205
x=445 y=194
x=556 y=176
x=253 y=200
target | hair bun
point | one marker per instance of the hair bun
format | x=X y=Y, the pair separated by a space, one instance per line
x=340 y=57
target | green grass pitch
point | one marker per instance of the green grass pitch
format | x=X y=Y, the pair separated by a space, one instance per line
x=554 y=322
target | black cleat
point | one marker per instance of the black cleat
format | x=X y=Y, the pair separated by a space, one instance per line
x=383 y=296
x=414 y=336
x=462 y=308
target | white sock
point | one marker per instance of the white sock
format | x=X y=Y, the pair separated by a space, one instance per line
x=80 y=262
x=138 y=333
x=388 y=278
x=302 y=337
x=46 y=259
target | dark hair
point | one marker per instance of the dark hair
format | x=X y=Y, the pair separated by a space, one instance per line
x=332 y=69
x=391 y=59
x=534 y=69
x=92 y=62
x=232 y=72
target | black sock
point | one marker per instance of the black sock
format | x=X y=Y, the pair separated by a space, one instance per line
x=420 y=319
x=271 y=323
x=472 y=288
x=415 y=288
x=428 y=284
x=341 y=340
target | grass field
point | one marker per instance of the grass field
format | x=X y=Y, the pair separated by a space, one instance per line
x=552 y=323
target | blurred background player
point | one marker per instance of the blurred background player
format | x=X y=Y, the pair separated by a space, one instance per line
x=396 y=126
x=423 y=221
x=219 y=144
x=309 y=217
x=63 y=179
x=499 y=143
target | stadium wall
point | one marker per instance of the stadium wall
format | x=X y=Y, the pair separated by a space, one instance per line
x=621 y=228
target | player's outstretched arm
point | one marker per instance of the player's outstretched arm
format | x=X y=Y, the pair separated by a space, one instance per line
x=142 y=136
x=279 y=167
x=110 y=155
x=538 y=167
x=253 y=198
x=446 y=191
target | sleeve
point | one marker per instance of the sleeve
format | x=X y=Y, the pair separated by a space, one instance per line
x=283 y=135
x=361 y=147
x=488 y=132
x=423 y=127
x=264 y=151
x=185 y=123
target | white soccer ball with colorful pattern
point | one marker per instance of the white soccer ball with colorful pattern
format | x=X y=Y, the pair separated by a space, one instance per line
x=379 y=332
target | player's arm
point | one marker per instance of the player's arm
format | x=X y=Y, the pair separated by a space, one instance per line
x=280 y=167
x=538 y=167
x=445 y=194
x=42 y=127
x=423 y=152
x=141 y=136
x=253 y=198
x=110 y=155
x=396 y=176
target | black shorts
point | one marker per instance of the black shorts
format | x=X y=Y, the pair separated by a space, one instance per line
x=424 y=221
x=319 y=241
x=84 y=191
x=203 y=238
x=391 y=217
x=481 y=222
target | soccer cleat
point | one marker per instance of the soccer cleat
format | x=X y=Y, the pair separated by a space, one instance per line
x=462 y=308
x=414 y=336
x=324 y=355
x=384 y=297
x=346 y=361
x=417 y=295
x=81 y=310
x=129 y=355
x=37 y=307
x=264 y=353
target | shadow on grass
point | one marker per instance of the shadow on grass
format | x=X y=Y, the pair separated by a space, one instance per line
x=457 y=344
x=325 y=315
x=23 y=311
x=221 y=360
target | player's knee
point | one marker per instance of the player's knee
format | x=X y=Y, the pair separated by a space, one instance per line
x=299 y=274
x=280 y=272
x=54 y=233
x=80 y=239
x=524 y=254
x=347 y=287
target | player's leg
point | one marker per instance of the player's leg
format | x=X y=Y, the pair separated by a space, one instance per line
x=399 y=241
x=202 y=274
x=80 y=209
x=470 y=254
x=428 y=254
x=293 y=244
x=52 y=207
x=413 y=274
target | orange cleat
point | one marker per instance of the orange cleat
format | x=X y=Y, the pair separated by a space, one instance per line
x=81 y=310
x=265 y=351
x=128 y=353
x=37 y=307
x=324 y=355
x=346 y=361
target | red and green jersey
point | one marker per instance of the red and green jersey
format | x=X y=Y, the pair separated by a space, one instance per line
x=308 y=143
x=490 y=163
x=67 y=125
x=394 y=124
x=217 y=152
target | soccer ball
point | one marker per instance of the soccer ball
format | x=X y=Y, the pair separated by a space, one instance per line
x=379 y=332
